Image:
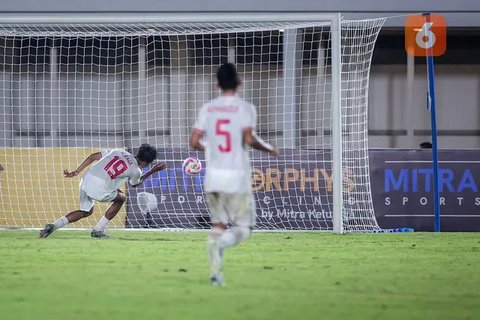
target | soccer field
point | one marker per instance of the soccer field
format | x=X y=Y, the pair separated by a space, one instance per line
x=158 y=275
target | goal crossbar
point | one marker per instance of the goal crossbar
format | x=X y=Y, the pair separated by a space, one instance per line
x=163 y=17
x=332 y=22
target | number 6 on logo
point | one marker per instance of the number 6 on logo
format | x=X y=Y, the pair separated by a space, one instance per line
x=424 y=37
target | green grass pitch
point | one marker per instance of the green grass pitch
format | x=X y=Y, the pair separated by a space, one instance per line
x=160 y=275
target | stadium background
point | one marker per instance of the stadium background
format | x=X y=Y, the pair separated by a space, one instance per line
x=393 y=122
x=163 y=275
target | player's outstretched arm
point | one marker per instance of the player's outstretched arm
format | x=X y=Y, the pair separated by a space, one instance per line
x=88 y=161
x=196 y=141
x=157 y=167
x=250 y=138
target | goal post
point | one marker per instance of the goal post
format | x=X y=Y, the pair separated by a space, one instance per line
x=337 y=156
x=76 y=83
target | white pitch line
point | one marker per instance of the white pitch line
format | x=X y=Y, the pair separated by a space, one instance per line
x=429 y=161
x=431 y=215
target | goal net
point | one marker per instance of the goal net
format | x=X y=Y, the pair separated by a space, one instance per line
x=69 y=89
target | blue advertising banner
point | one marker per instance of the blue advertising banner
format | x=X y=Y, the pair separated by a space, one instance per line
x=402 y=182
x=294 y=191
x=291 y=191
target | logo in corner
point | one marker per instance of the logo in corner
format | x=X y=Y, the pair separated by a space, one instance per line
x=425 y=35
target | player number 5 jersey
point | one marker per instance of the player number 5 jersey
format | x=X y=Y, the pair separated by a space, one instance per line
x=223 y=121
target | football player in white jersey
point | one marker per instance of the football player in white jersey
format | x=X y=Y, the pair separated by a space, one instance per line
x=102 y=182
x=228 y=123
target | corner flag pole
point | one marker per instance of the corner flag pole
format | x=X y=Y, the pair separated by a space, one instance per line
x=433 y=117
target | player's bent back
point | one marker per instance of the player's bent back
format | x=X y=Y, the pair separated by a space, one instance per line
x=110 y=172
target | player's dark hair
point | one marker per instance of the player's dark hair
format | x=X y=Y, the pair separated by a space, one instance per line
x=147 y=153
x=227 y=77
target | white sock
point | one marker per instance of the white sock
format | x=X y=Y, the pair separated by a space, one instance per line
x=233 y=236
x=214 y=252
x=101 y=224
x=61 y=222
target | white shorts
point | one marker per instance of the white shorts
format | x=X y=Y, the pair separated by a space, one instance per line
x=87 y=202
x=238 y=209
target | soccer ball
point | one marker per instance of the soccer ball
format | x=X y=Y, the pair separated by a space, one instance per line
x=192 y=166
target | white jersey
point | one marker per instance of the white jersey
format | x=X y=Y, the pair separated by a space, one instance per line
x=110 y=172
x=223 y=121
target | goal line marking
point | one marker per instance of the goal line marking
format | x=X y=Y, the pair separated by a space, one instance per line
x=431 y=215
x=429 y=161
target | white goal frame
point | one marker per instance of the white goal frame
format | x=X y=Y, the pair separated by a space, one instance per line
x=333 y=18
